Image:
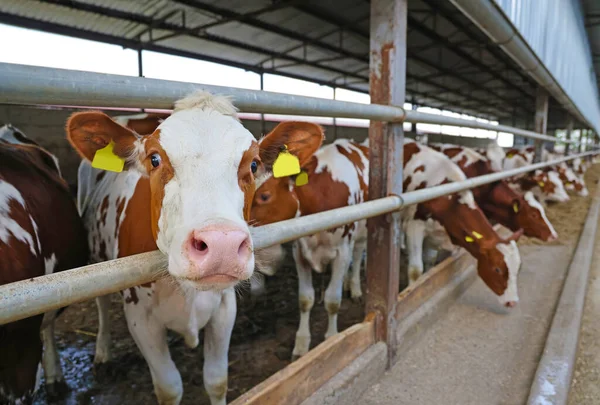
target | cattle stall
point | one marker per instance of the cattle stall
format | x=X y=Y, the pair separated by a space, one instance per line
x=388 y=313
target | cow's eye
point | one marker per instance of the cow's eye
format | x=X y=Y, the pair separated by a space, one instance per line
x=155 y=159
x=254 y=166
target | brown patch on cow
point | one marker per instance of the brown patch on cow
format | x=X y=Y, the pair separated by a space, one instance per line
x=136 y=228
x=246 y=177
x=100 y=176
x=406 y=182
x=103 y=211
x=133 y=298
x=419 y=169
x=159 y=177
x=274 y=202
x=102 y=253
x=147 y=285
x=357 y=161
x=410 y=149
x=120 y=207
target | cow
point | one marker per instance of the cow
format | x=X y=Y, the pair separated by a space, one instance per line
x=40 y=233
x=337 y=177
x=571 y=180
x=498 y=200
x=187 y=190
x=545 y=183
x=465 y=225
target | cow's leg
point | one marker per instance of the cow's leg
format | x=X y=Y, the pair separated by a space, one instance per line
x=217 y=335
x=55 y=381
x=150 y=335
x=306 y=299
x=357 y=255
x=415 y=233
x=333 y=294
x=103 y=340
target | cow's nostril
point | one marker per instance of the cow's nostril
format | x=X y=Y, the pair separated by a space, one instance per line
x=199 y=245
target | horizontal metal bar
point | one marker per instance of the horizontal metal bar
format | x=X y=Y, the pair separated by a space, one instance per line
x=35 y=85
x=41 y=294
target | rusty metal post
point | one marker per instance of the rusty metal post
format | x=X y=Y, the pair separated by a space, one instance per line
x=541 y=120
x=569 y=133
x=387 y=86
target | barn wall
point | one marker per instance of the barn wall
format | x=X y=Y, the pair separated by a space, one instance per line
x=46 y=126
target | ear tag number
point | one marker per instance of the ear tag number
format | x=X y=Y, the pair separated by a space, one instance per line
x=477 y=235
x=515 y=207
x=105 y=159
x=469 y=239
x=286 y=164
x=541 y=183
x=302 y=179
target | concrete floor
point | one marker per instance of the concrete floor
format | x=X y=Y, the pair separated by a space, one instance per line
x=480 y=352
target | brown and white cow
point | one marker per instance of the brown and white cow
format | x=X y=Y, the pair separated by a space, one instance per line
x=338 y=176
x=459 y=218
x=545 y=183
x=187 y=189
x=498 y=200
x=570 y=179
x=40 y=233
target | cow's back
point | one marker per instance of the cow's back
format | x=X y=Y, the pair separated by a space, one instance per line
x=40 y=233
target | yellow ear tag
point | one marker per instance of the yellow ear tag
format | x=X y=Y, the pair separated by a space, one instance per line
x=469 y=239
x=541 y=183
x=509 y=155
x=286 y=164
x=477 y=235
x=302 y=179
x=515 y=207
x=568 y=183
x=106 y=159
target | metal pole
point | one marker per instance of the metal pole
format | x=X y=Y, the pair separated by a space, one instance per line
x=335 y=128
x=569 y=133
x=387 y=86
x=263 y=128
x=541 y=120
x=140 y=64
x=581 y=138
x=413 y=125
x=30 y=297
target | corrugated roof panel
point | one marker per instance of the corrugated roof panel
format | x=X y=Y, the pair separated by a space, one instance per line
x=554 y=29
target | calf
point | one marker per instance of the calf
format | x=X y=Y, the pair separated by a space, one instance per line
x=497 y=200
x=187 y=190
x=338 y=176
x=40 y=233
x=498 y=260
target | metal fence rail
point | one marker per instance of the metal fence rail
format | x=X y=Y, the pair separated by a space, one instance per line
x=33 y=85
x=34 y=296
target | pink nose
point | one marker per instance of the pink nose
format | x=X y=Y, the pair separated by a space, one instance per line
x=219 y=255
x=511 y=304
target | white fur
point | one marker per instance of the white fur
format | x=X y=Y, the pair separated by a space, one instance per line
x=9 y=228
x=559 y=194
x=512 y=258
x=496 y=154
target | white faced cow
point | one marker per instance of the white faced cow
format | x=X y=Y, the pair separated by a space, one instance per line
x=187 y=189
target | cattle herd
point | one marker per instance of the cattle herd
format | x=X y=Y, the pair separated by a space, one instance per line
x=191 y=184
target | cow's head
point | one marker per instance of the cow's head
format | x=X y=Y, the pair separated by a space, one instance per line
x=498 y=260
x=203 y=167
x=550 y=184
x=519 y=212
x=571 y=181
x=275 y=199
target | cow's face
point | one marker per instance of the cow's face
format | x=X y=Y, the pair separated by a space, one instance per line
x=202 y=166
x=572 y=182
x=551 y=186
x=531 y=216
x=498 y=266
x=275 y=199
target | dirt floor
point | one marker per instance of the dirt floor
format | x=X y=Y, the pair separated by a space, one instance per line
x=481 y=353
x=585 y=387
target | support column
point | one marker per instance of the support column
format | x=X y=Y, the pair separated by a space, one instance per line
x=541 y=120
x=582 y=137
x=387 y=86
x=335 y=128
x=569 y=133
x=140 y=69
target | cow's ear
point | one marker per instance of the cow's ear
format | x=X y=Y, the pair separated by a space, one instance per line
x=301 y=139
x=90 y=132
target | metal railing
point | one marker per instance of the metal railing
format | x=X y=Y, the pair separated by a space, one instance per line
x=34 y=85
x=21 y=84
x=34 y=296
